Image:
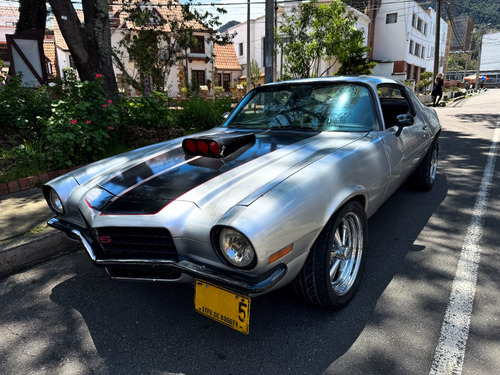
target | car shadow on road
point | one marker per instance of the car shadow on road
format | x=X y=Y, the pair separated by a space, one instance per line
x=153 y=328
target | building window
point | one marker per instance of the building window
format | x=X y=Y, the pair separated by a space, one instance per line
x=198 y=76
x=240 y=47
x=391 y=18
x=226 y=79
x=200 y=46
x=417 y=49
x=425 y=29
x=420 y=24
x=411 y=47
x=414 y=20
x=422 y=55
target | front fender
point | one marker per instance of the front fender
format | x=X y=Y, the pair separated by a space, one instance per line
x=296 y=210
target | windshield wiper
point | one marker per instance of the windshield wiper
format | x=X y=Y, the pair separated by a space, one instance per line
x=294 y=127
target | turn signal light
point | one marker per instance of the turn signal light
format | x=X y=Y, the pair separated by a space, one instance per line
x=280 y=254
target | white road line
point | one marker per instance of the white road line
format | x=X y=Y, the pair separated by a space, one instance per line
x=450 y=351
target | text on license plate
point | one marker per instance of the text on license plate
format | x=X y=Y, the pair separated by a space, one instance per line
x=222 y=305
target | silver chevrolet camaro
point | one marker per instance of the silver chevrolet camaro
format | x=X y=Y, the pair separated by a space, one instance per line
x=280 y=193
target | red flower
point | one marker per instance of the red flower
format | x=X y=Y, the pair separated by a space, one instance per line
x=105 y=105
x=98 y=75
x=89 y=121
x=111 y=128
x=110 y=101
x=73 y=121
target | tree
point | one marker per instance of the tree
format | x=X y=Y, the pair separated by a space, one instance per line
x=426 y=78
x=159 y=40
x=353 y=58
x=461 y=62
x=320 y=32
x=254 y=73
x=32 y=15
x=89 y=41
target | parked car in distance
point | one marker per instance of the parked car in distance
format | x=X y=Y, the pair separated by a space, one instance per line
x=280 y=193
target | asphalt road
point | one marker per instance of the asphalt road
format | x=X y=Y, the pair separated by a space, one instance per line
x=428 y=304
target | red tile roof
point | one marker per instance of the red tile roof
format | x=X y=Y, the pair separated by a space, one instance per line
x=225 y=58
x=167 y=9
x=60 y=42
x=49 y=50
x=9 y=13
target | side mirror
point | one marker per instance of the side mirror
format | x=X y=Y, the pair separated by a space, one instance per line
x=225 y=115
x=402 y=121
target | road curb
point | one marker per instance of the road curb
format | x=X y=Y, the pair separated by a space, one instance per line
x=34 y=251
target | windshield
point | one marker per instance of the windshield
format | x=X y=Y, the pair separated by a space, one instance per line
x=321 y=106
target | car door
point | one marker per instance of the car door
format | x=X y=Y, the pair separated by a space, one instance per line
x=404 y=150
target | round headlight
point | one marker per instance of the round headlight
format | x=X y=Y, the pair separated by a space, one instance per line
x=236 y=248
x=55 y=201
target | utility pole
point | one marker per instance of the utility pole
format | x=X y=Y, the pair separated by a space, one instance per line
x=275 y=55
x=249 y=80
x=478 y=62
x=437 y=40
x=269 y=41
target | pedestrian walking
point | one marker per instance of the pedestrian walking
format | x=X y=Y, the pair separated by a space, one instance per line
x=437 y=91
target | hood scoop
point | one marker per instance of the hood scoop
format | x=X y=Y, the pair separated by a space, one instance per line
x=217 y=145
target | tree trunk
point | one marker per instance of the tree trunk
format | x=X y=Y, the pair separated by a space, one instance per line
x=89 y=42
x=32 y=15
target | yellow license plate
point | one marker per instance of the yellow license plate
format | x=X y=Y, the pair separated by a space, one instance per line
x=223 y=306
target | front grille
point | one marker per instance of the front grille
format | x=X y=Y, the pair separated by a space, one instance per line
x=133 y=242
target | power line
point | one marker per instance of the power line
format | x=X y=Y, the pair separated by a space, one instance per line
x=453 y=26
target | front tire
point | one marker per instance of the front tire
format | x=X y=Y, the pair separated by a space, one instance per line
x=335 y=264
x=424 y=176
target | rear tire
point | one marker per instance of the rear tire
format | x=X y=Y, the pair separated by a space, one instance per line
x=334 y=267
x=424 y=176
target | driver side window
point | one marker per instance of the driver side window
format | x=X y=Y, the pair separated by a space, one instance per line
x=394 y=102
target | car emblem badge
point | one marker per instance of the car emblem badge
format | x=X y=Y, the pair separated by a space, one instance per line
x=105 y=239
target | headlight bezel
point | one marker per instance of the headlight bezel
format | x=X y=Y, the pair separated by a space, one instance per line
x=223 y=255
x=55 y=201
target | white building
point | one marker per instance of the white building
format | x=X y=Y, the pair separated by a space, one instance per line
x=257 y=38
x=257 y=35
x=8 y=19
x=404 y=40
x=490 y=59
x=198 y=67
x=490 y=53
x=9 y=15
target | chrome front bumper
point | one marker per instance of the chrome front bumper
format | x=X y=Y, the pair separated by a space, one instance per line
x=245 y=285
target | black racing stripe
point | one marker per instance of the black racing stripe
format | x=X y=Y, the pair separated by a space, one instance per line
x=144 y=170
x=184 y=175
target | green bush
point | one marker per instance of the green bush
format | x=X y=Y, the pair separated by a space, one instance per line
x=82 y=124
x=198 y=114
x=74 y=123
x=152 y=111
x=21 y=110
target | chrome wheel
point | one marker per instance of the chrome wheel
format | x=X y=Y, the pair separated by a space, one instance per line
x=346 y=253
x=333 y=269
x=425 y=175
x=433 y=165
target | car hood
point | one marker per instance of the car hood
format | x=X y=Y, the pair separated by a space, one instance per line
x=146 y=185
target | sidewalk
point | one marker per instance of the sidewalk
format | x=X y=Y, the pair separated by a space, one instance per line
x=25 y=238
